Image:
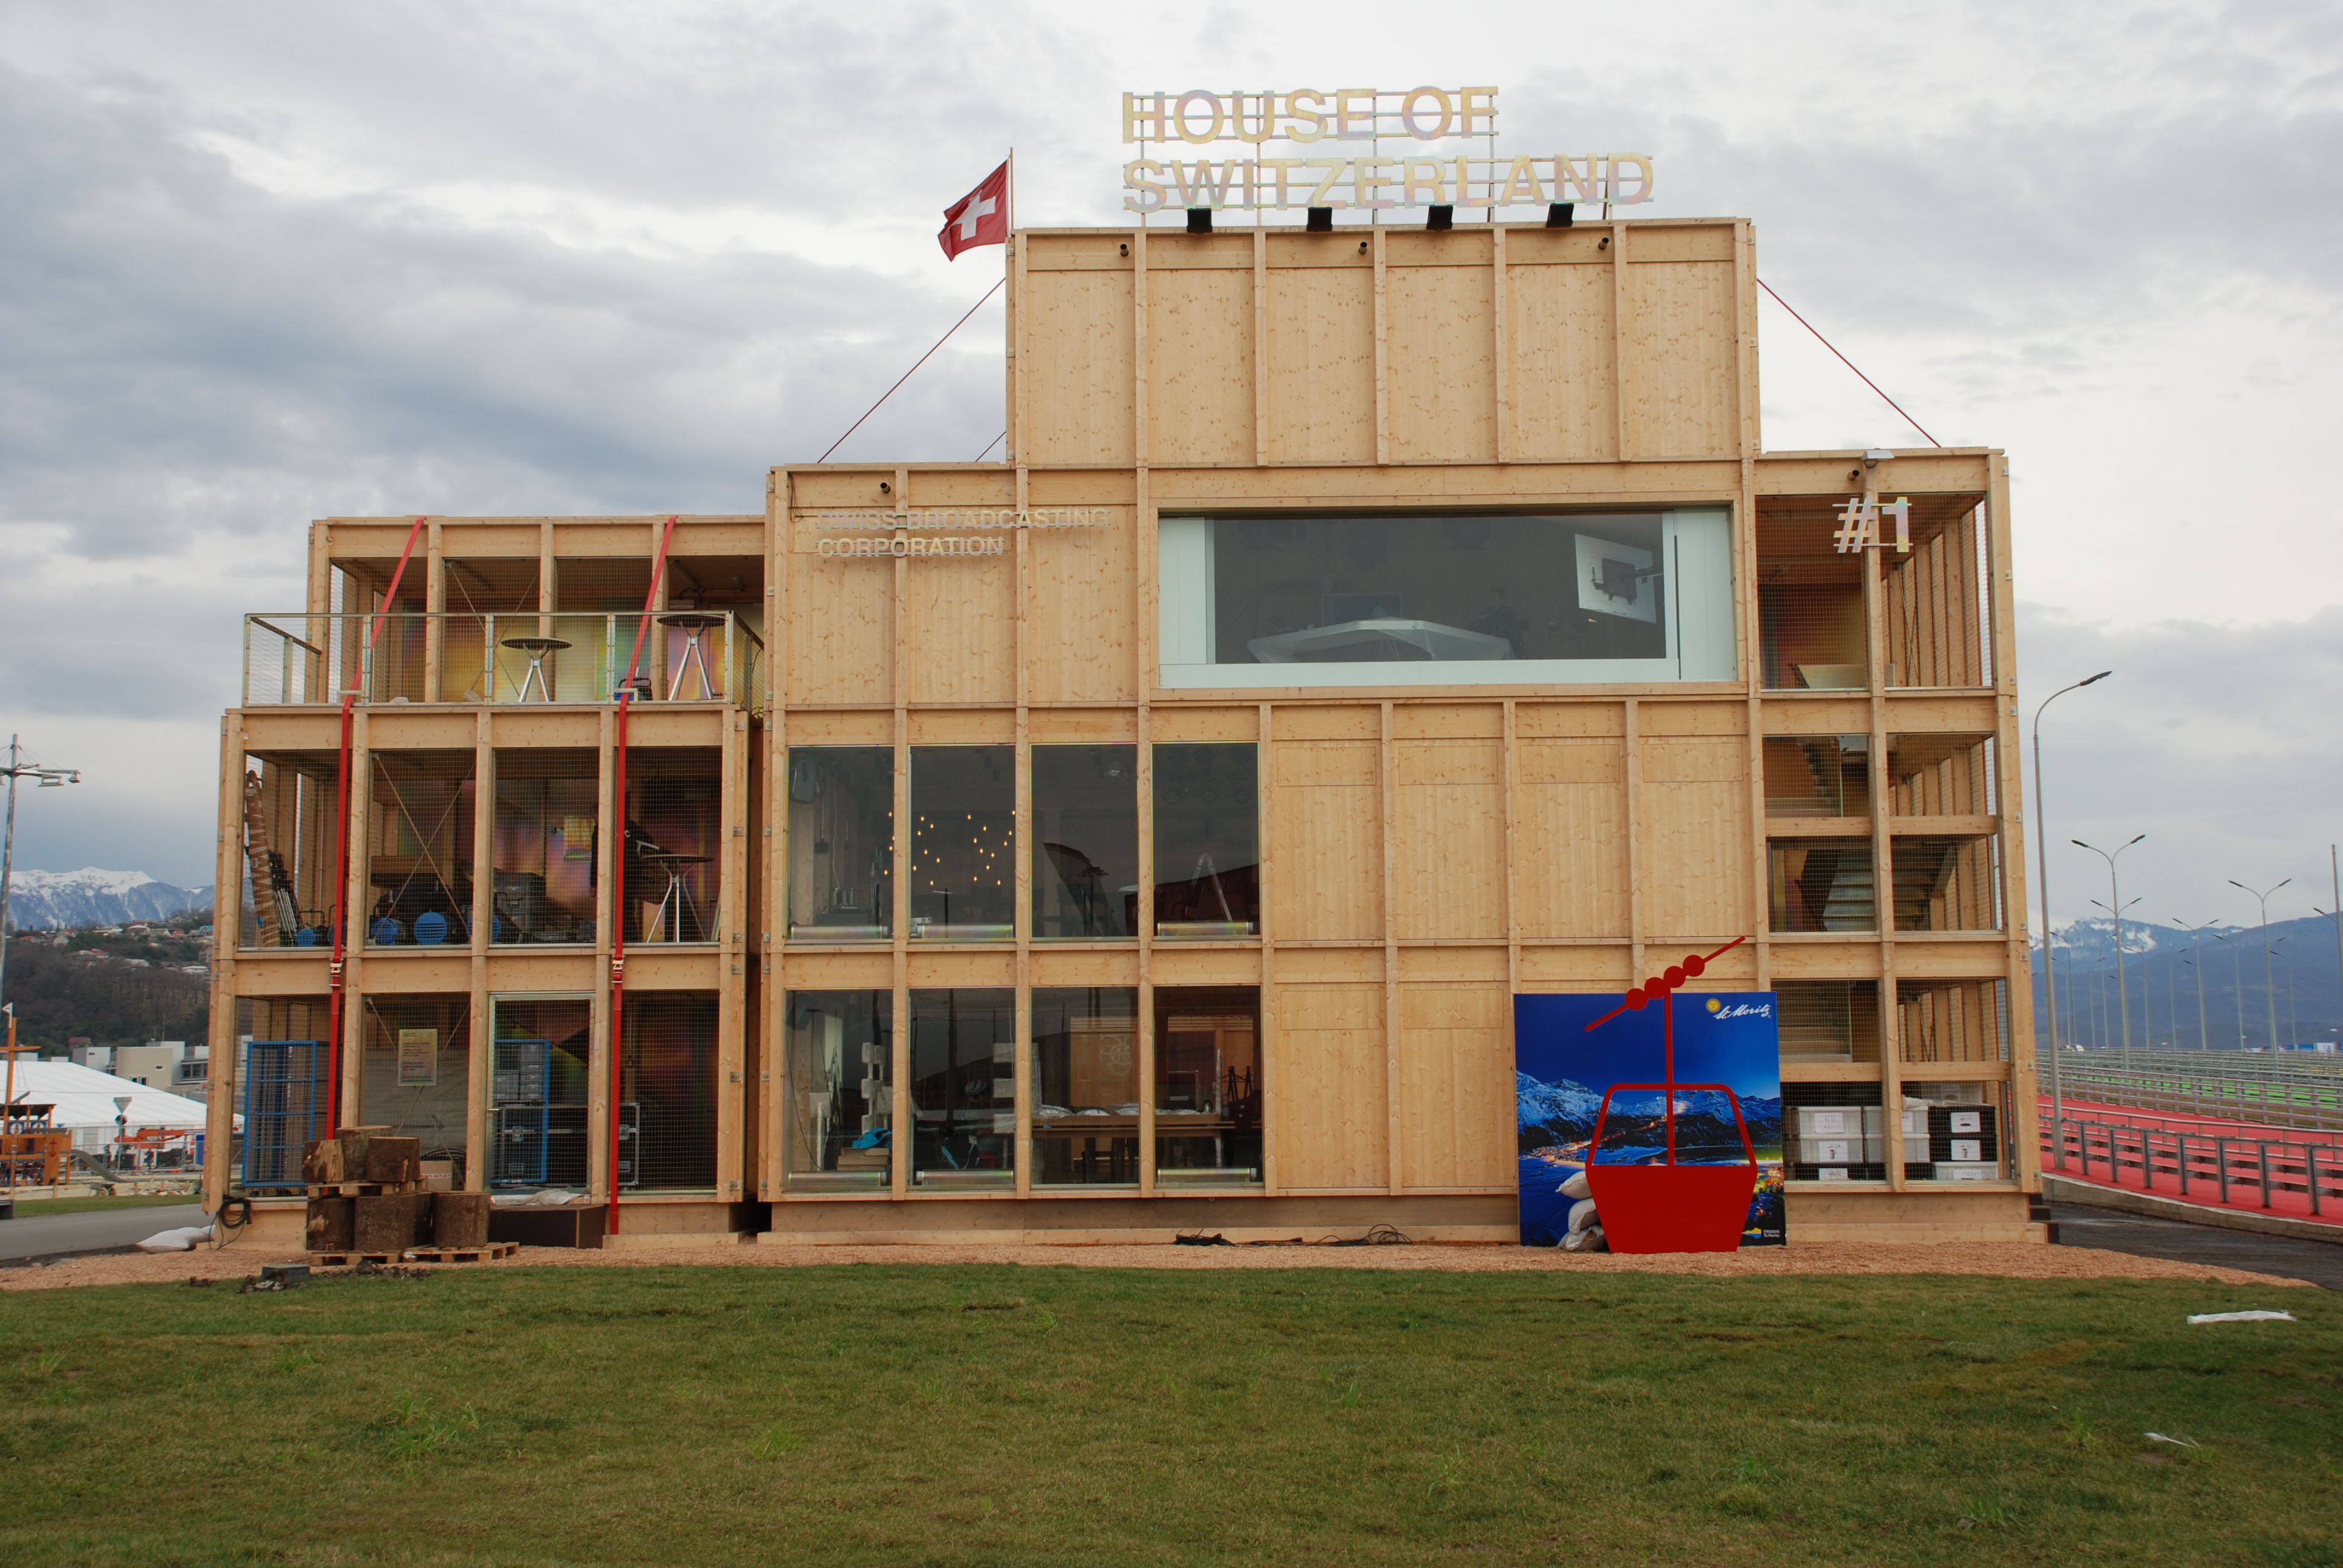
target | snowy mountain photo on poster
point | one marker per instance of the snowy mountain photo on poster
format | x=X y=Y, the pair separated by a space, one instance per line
x=1562 y=1072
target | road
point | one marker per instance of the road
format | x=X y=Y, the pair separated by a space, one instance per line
x=47 y=1235
x=2146 y=1236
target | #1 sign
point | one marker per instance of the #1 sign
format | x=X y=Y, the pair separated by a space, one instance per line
x=1306 y=116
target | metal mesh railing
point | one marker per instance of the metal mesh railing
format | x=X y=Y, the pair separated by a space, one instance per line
x=2300 y=1089
x=690 y=657
x=2204 y=1167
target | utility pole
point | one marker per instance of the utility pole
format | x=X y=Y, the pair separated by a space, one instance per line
x=2236 y=983
x=2335 y=869
x=45 y=778
x=2270 y=969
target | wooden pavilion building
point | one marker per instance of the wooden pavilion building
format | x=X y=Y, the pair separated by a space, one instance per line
x=1148 y=832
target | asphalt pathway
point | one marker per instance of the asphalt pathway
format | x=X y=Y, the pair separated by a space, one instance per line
x=2146 y=1236
x=100 y=1231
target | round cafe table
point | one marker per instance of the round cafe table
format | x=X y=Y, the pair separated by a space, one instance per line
x=695 y=628
x=677 y=894
x=537 y=647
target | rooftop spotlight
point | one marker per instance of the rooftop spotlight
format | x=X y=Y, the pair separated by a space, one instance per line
x=1199 y=220
x=1440 y=217
x=1558 y=214
x=1322 y=220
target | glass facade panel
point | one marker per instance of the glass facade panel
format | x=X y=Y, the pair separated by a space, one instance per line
x=1446 y=598
x=1821 y=885
x=840 y=1060
x=419 y=848
x=538 y=1054
x=667 y=1092
x=547 y=801
x=418 y=1053
x=1208 y=1087
x=674 y=843
x=842 y=843
x=963 y=842
x=1207 y=840
x=1085 y=1090
x=1819 y=776
x=964 y=1087
x=1085 y=841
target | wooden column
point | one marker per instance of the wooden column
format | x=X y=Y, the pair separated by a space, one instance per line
x=1883 y=870
x=1634 y=775
x=1382 y=358
x=434 y=608
x=1146 y=946
x=603 y=1033
x=2025 y=1104
x=1500 y=348
x=901 y=1136
x=1020 y=913
x=478 y=1130
x=230 y=879
x=1618 y=247
x=356 y=906
x=1387 y=820
x=772 y=1080
x=1264 y=821
x=731 y=971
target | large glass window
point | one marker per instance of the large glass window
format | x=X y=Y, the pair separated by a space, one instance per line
x=667 y=1092
x=1208 y=1087
x=842 y=843
x=1446 y=598
x=539 y=1052
x=1085 y=1086
x=1085 y=841
x=544 y=837
x=964 y=1087
x=838 y=1127
x=1207 y=840
x=963 y=842
x=674 y=843
x=419 y=1052
x=419 y=848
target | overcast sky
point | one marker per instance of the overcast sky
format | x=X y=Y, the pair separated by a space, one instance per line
x=265 y=262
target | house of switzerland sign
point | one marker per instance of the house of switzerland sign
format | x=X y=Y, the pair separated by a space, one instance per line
x=1424 y=146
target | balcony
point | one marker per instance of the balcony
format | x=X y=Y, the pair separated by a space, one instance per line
x=294 y=658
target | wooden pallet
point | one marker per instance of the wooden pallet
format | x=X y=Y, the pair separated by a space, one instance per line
x=363 y=1189
x=462 y=1255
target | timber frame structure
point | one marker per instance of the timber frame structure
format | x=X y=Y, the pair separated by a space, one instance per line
x=1425 y=851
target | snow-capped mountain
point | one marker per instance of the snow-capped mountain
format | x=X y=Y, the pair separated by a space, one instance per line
x=44 y=900
x=1566 y=1108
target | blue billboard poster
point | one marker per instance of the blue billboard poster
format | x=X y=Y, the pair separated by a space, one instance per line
x=1725 y=1040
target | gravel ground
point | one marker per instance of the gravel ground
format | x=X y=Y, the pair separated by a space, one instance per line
x=2009 y=1261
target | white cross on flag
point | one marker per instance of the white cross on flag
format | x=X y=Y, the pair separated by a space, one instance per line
x=979 y=217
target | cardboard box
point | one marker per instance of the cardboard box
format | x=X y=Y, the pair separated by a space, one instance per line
x=1831 y=1174
x=1967 y=1122
x=1968 y=1150
x=1831 y=1121
x=1962 y=1170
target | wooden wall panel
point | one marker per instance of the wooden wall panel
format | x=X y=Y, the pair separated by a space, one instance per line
x=1200 y=343
x=1693 y=860
x=1332 y=1126
x=1450 y=839
x=956 y=611
x=1456 y=1085
x=1082 y=622
x=1328 y=835
x=1564 y=391
x=1570 y=847
x=1080 y=374
x=1682 y=359
x=841 y=630
x=1321 y=360
x=1441 y=362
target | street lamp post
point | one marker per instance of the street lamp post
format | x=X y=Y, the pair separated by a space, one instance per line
x=2049 y=968
x=2197 y=962
x=2115 y=906
x=2237 y=983
x=2269 y=969
x=2335 y=869
x=45 y=778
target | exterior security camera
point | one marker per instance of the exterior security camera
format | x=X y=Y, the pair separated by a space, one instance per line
x=1876 y=455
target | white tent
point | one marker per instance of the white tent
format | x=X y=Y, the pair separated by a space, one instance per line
x=84 y=1098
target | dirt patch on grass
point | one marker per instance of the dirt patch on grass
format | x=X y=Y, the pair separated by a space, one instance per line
x=2003 y=1259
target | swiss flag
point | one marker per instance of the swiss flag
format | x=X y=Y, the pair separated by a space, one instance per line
x=979 y=217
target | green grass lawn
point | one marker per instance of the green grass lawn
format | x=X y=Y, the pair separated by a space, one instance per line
x=29 y=1207
x=993 y=1414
